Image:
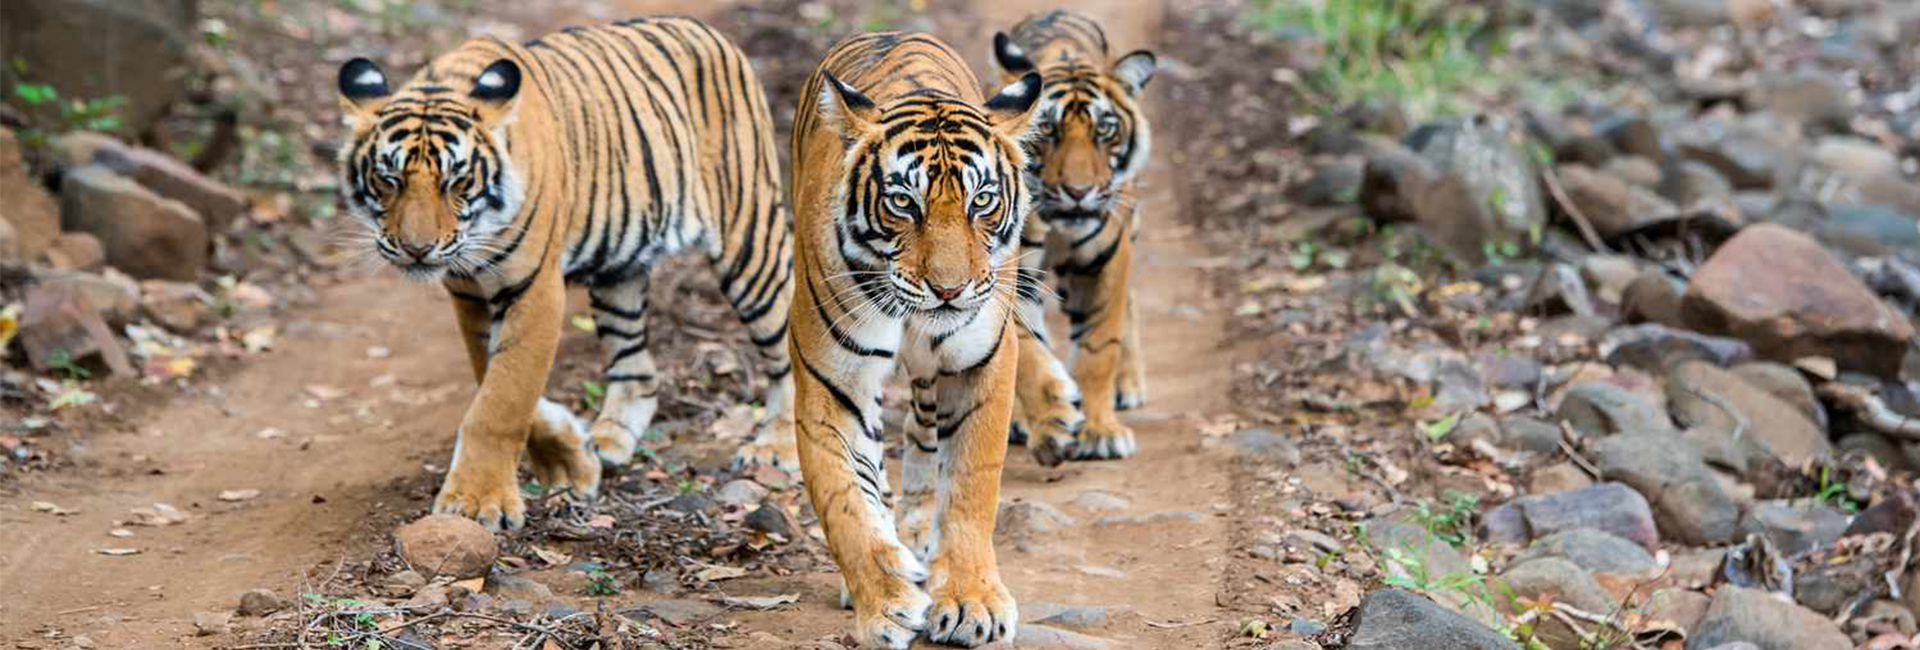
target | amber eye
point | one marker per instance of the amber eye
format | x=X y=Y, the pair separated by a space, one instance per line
x=901 y=203
x=985 y=201
x=1108 y=129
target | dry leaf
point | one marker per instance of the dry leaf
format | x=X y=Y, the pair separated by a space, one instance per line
x=554 y=558
x=760 y=602
x=239 y=495
x=117 y=551
x=49 y=508
x=716 y=573
x=600 y=521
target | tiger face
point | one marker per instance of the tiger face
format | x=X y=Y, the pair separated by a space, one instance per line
x=1092 y=136
x=427 y=169
x=934 y=198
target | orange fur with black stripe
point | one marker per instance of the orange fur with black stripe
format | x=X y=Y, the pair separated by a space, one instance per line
x=507 y=171
x=909 y=194
x=1094 y=142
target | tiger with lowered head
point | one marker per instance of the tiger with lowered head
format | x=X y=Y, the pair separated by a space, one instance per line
x=1093 y=143
x=910 y=196
x=507 y=171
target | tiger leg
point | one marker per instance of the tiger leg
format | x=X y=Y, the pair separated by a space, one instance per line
x=764 y=312
x=632 y=381
x=1047 y=413
x=1132 y=392
x=1097 y=306
x=841 y=459
x=557 y=442
x=480 y=482
x=971 y=605
x=919 y=468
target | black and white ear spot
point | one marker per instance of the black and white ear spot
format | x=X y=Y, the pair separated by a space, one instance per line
x=499 y=82
x=1011 y=58
x=1017 y=97
x=362 y=79
x=1136 y=69
x=839 y=101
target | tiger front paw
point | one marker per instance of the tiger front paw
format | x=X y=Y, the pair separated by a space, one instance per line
x=774 y=446
x=890 y=612
x=489 y=497
x=1131 y=394
x=558 y=450
x=613 y=443
x=1106 y=439
x=970 y=610
x=1052 y=431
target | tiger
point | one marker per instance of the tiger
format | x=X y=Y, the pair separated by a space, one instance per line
x=507 y=172
x=910 y=194
x=1094 y=141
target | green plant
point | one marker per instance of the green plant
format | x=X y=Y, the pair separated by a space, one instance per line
x=1834 y=492
x=1451 y=522
x=601 y=583
x=97 y=114
x=1422 y=53
x=595 y=392
x=688 y=486
x=63 y=361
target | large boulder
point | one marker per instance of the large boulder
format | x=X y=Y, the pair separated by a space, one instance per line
x=1484 y=154
x=1780 y=291
x=97 y=49
x=144 y=234
x=1395 y=619
x=30 y=212
x=166 y=176
x=1688 y=502
x=1611 y=507
x=1757 y=617
x=1610 y=203
x=1706 y=396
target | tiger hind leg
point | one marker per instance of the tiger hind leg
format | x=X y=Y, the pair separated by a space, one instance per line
x=761 y=301
x=1097 y=306
x=630 y=378
x=1132 y=390
x=1047 y=413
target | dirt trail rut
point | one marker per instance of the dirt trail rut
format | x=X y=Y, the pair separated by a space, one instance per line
x=1156 y=561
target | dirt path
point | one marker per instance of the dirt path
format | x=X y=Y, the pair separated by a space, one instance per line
x=1148 y=540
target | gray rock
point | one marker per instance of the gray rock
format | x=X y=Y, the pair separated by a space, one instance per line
x=1746 y=160
x=1781 y=429
x=1687 y=501
x=511 y=588
x=1073 y=616
x=1690 y=13
x=1651 y=347
x=678 y=612
x=1684 y=607
x=212 y=623
x=1599 y=408
x=1555 y=578
x=1594 y=550
x=1481 y=152
x=1693 y=185
x=1879 y=447
x=1041 y=637
x=1610 y=507
x=1808 y=97
x=740 y=492
x=1026 y=520
x=1612 y=205
x=1870 y=230
x=1305 y=626
x=1508 y=370
x=144 y=234
x=1833 y=587
x=691 y=502
x=1740 y=614
x=1636 y=137
x=1635 y=170
x=1530 y=434
x=1784 y=294
x=1786 y=383
x=1395 y=619
x=1104 y=501
x=1331 y=184
x=166 y=176
x=1652 y=296
x=1855 y=158
x=1610 y=275
x=1559 y=477
x=1267 y=445
x=773 y=519
x=261 y=602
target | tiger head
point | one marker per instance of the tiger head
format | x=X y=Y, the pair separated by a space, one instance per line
x=426 y=169
x=1092 y=136
x=934 y=195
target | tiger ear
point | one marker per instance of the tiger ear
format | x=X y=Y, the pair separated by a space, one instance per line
x=844 y=107
x=1011 y=109
x=1136 y=69
x=1013 y=60
x=363 y=90
x=495 y=90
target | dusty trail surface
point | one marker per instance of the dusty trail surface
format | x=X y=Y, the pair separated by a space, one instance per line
x=344 y=446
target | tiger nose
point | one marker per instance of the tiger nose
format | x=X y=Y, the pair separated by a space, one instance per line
x=1077 y=192
x=418 y=252
x=946 y=293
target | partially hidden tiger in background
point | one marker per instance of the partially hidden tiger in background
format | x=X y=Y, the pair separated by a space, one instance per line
x=1093 y=143
x=508 y=171
x=910 y=193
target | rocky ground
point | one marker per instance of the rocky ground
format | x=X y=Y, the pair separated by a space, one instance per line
x=1603 y=345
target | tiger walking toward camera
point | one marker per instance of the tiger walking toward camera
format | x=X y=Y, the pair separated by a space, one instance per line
x=909 y=195
x=507 y=171
x=1093 y=143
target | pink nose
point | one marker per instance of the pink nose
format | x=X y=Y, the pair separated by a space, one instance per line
x=418 y=253
x=1077 y=192
x=946 y=293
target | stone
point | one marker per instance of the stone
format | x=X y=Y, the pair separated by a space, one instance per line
x=76 y=251
x=1635 y=170
x=1870 y=230
x=511 y=588
x=1780 y=291
x=773 y=519
x=144 y=234
x=692 y=502
x=212 y=623
x=1690 y=13
x=1754 y=616
x=678 y=612
x=1880 y=448
x=1687 y=502
x=1601 y=408
x=1855 y=158
x=1492 y=170
x=166 y=176
x=1332 y=184
x=1682 y=607
x=740 y=493
x=1809 y=97
x=1072 y=616
x=1267 y=445
x=404 y=582
x=1594 y=550
x=114 y=294
x=1654 y=297
x=1652 y=347
x=1559 y=477
x=1610 y=507
x=1609 y=275
x=1781 y=429
x=1557 y=579
x=1746 y=160
x=1100 y=501
x=1636 y=137
x=1893 y=513
x=1694 y=185
x=1505 y=370
x=1043 y=637
x=261 y=602
x=31 y=212
x=1795 y=529
x=1612 y=205
x=177 y=306
x=1783 y=381
x=62 y=40
x=64 y=322
x=1396 y=619
x=446 y=545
